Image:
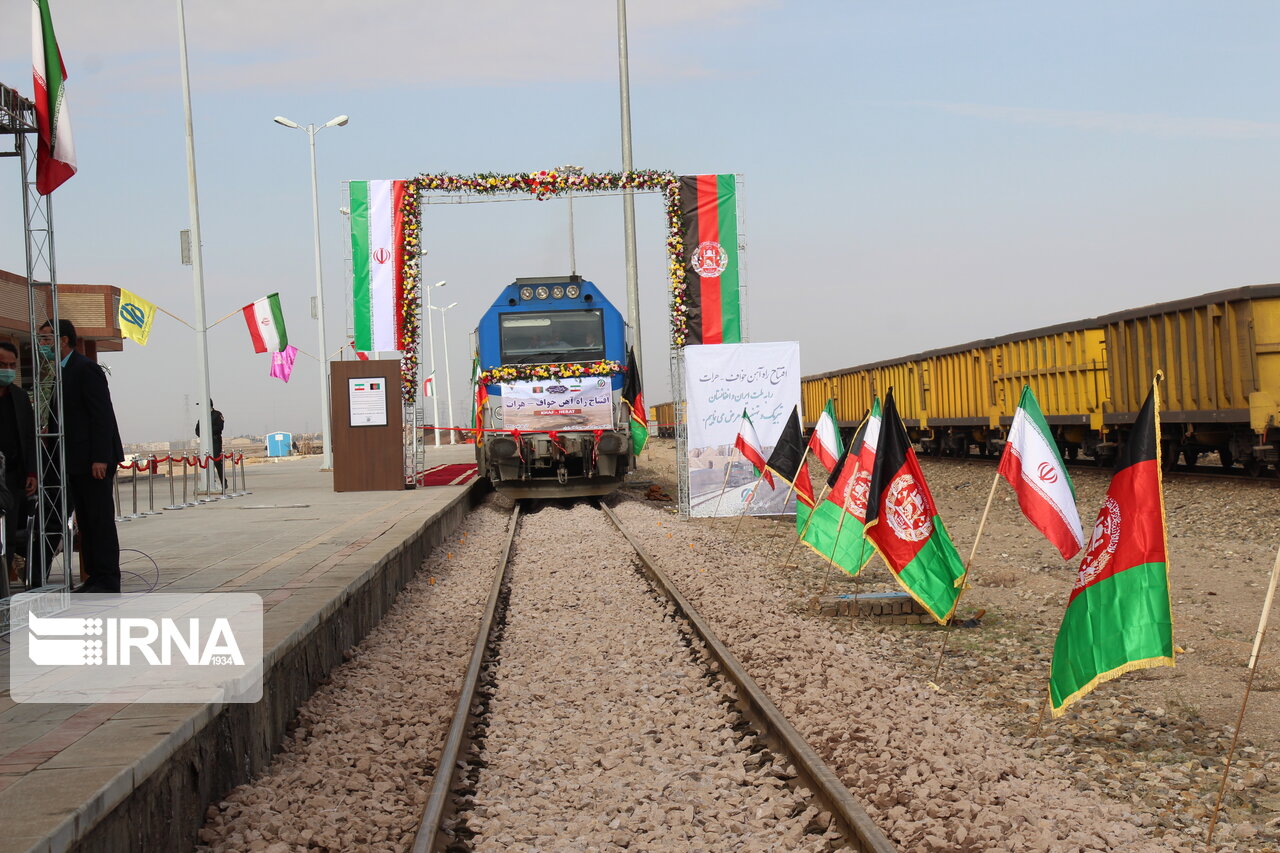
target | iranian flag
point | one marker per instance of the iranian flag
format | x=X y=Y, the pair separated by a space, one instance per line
x=709 y=228
x=748 y=444
x=903 y=524
x=1032 y=465
x=825 y=441
x=836 y=528
x=266 y=324
x=633 y=396
x=55 y=152
x=1118 y=617
x=377 y=260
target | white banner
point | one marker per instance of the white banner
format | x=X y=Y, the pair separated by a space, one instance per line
x=720 y=381
x=585 y=403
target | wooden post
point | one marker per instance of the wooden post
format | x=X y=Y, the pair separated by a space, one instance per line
x=747 y=506
x=1253 y=669
x=724 y=485
x=787 y=562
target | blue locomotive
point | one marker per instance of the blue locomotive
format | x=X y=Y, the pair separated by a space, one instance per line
x=551 y=352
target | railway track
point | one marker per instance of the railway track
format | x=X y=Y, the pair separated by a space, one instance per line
x=502 y=782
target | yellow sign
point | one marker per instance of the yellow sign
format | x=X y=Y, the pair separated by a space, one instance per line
x=135 y=316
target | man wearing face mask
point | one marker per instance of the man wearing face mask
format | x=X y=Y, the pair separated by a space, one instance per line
x=18 y=444
x=93 y=450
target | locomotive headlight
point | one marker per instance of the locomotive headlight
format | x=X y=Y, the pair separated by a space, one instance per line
x=541 y=292
x=572 y=291
x=526 y=293
x=557 y=292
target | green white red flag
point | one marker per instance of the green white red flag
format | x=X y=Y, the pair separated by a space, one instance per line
x=266 y=324
x=55 y=151
x=1032 y=464
x=903 y=524
x=836 y=528
x=633 y=395
x=709 y=229
x=748 y=444
x=825 y=441
x=377 y=261
x=1119 y=617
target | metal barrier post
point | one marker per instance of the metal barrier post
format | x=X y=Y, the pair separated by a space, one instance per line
x=244 y=479
x=203 y=474
x=151 y=486
x=173 y=501
x=134 y=471
x=119 y=506
x=223 y=495
x=188 y=462
x=235 y=465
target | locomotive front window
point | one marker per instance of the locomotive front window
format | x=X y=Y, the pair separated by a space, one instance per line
x=552 y=337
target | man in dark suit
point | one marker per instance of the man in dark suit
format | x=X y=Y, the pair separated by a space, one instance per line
x=93 y=449
x=18 y=444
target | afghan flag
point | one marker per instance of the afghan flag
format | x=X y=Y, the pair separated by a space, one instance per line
x=748 y=444
x=836 y=529
x=266 y=324
x=1032 y=465
x=1119 y=617
x=825 y=441
x=633 y=395
x=377 y=260
x=788 y=458
x=55 y=151
x=904 y=526
x=709 y=216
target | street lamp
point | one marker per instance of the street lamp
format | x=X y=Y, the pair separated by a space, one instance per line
x=573 y=260
x=431 y=342
x=326 y=460
x=448 y=384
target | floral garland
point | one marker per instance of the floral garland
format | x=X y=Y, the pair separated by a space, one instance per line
x=527 y=372
x=542 y=185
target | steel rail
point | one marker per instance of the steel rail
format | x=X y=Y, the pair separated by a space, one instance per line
x=854 y=823
x=431 y=836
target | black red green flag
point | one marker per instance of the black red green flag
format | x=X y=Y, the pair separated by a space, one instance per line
x=709 y=214
x=634 y=397
x=903 y=524
x=1119 y=617
x=788 y=458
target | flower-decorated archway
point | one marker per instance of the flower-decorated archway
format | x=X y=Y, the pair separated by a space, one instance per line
x=542 y=185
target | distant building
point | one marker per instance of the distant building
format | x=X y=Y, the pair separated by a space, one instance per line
x=92 y=307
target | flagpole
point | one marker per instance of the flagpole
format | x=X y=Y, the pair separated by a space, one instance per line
x=791 y=487
x=786 y=564
x=750 y=497
x=1248 y=686
x=946 y=630
x=727 y=468
x=844 y=510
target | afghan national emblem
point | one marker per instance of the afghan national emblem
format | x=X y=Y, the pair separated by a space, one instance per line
x=1102 y=545
x=709 y=259
x=856 y=493
x=908 y=514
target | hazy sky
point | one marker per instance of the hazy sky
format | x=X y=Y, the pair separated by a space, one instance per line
x=917 y=174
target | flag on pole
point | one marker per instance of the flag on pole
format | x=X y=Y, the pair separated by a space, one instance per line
x=825 y=441
x=482 y=395
x=426 y=387
x=266 y=324
x=135 y=316
x=849 y=483
x=377 y=262
x=1032 y=465
x=903 y=524
x=788 y=458
x=362 y=356
x=55 y=151
x=748 y=444
x=633 y=395
x=709 y=228
x=1118 y=616
x=282 y=362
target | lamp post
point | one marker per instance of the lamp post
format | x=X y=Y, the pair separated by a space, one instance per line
x=326 y=460
x=431 y=342
x=448 y=383
x=573 y=259
x=628 y=197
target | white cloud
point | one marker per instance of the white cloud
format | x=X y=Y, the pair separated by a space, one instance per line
x=1146 y=124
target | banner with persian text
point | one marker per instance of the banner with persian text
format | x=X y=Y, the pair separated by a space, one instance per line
x=720 y=382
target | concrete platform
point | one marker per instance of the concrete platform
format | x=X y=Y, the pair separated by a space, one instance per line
x=138 y=777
